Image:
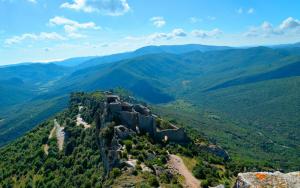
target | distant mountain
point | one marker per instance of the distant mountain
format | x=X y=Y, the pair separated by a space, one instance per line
x=293 y=45
x=173 y=49
x=33 y=73
x=20 y=83
x=179 y=49
x=73 y=61
x=83 y=62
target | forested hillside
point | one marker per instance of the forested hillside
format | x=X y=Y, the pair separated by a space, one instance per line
x=71 y=149
x=251 y=91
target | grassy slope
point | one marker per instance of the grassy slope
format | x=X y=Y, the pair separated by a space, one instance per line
x=260 y=131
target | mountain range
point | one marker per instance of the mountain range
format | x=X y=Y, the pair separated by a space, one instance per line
x=245 y=99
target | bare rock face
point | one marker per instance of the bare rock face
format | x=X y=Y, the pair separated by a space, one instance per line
x=268 y=179
x=216 y=150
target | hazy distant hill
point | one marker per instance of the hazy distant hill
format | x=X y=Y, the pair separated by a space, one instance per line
x=174 y=49
x=71 y=62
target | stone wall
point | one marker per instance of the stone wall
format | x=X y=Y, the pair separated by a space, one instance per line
x=114 y=107
x=173 y=135
x=133 y=116
x=146 y=124
x=129 y=119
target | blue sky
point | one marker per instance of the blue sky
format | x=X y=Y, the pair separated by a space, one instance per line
x=46 y=30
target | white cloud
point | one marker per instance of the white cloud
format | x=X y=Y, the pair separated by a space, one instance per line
x=32 y=36
x=250 y=11
x=266 y=29
x=78 y=5
x=178 y=33
x=206 y=34
x=175 y=33
x=32 y=1
x=71 y=27
x=240 y=11
x=158 y=21
x=289 y=23
x=195 y=20
x=106 y=7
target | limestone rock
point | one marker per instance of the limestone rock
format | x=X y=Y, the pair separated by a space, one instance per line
x=122 y=132
x=142 y=109
x=268 y=179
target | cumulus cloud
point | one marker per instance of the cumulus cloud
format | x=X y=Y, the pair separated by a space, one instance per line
x=107 y=7
x=289 y=23
x=158 y=21
x=206 y=34
x=175 y=33
x=266 y=29
x=32 y=36
x=71 y=27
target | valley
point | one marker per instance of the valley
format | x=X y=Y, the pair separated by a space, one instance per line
x=245 y=100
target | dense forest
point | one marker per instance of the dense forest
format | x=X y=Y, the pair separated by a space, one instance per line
x=35 y=159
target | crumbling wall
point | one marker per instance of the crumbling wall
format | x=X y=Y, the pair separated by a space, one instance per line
x=114 y=107
x=173 y=135
x=146 y=124
x=129 y=119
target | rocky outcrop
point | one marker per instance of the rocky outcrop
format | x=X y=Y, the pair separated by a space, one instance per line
x=116 y=120
x=268 y=179
x=216 y=150
x=122 y=132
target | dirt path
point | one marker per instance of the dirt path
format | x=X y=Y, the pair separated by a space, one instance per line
x=80 y=121
x=52 y=132
x=177 y=164
x=46 y=149
x=60 y=135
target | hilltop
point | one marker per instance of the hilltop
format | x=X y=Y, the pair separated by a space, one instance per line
x=104 y=140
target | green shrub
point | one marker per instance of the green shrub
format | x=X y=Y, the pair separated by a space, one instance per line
x=115 y=172
x=153 y=181
x=128 y=145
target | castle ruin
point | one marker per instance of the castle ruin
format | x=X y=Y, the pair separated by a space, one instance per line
x=140 y=119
